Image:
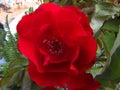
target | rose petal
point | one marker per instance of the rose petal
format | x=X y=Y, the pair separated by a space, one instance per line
x=48 y=78
x=87 y=55
x=82 y=17
x=83 y=81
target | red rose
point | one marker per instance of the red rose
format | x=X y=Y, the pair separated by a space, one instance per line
x=83 y=81
x=58 y=42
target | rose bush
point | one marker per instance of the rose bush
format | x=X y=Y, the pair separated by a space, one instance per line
x=59 y=45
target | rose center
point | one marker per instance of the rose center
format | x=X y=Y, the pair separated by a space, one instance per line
x=54 y=46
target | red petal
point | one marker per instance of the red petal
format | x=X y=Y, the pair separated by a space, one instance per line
x=29 y=50
x=83 y=81
x=47 y=78
x=87 y=55
x=31 y=24
x=82 y=17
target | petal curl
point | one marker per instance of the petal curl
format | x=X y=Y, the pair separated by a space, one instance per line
x=48 y=78
x=87 y=55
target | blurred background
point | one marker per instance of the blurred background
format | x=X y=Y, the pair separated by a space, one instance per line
x=14 y=7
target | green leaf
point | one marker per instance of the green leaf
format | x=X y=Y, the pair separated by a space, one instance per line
x=8 y=77
x=116 y=44
x=104 y=5
x=75 y=2
x=112 y=25
x=14 y=79
x=96 y=23
x=103 y=12
x=26 y=82
x=18 y=62
x=112 y=69
x=106 y=83
x=95 y=69
x=108 y=41
x=63 y=2
x=114 y=66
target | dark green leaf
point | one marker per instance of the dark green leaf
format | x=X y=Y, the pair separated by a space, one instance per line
x=116 y=44
x=112 y=69
x=108 y=40
x=112 y=25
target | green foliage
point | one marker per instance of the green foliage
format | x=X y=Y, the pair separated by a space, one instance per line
x=2 y=39
x=108 y=41
x=11 y=78
x=105 y=23
x=2 y=36
x=104 y=11
x=3 y=70
x=112 y=25
x=16 y=63
x=111 y=72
